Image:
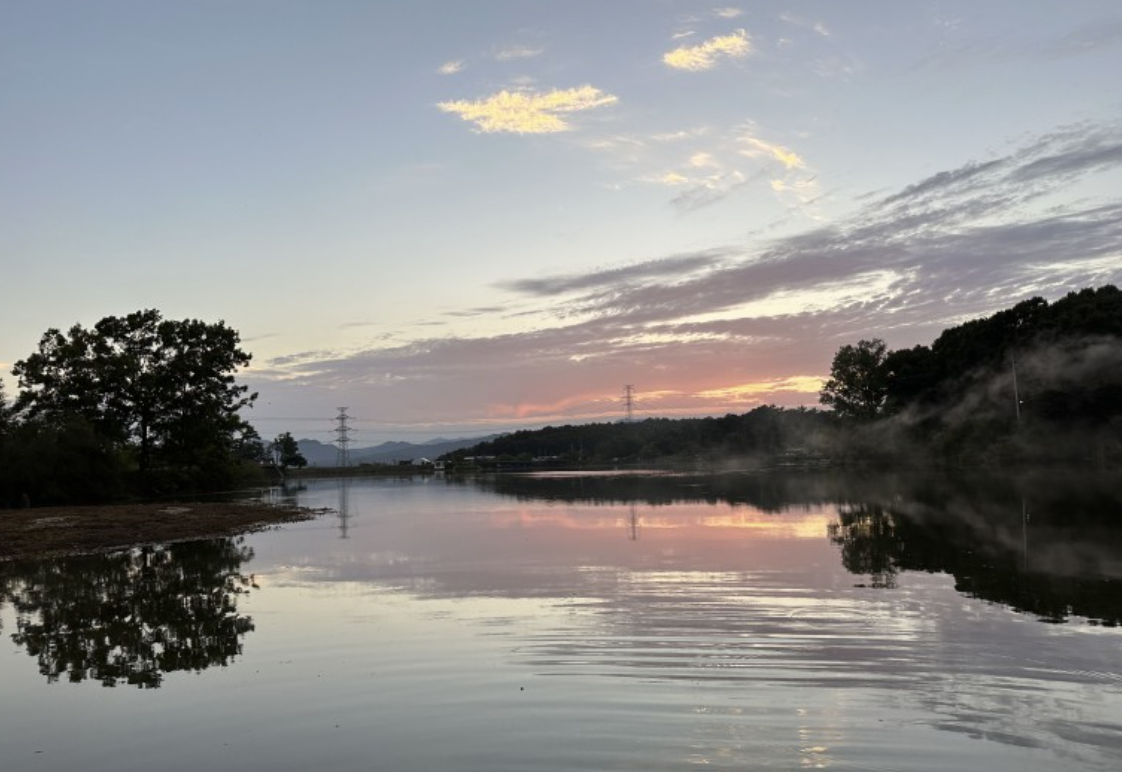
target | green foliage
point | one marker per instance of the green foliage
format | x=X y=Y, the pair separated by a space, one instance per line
x=857 y=387
x=59 y=460
x=157 y=392
x=286 y=453
x=165 y=386
x=1035 y=383
x=758 y=436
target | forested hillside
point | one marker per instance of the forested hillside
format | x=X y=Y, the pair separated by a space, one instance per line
x=1037 y=383
x=759 y=436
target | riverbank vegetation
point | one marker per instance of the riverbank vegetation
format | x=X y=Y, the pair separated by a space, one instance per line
x=135 y=407
x=1038 y=383
x=141 y=407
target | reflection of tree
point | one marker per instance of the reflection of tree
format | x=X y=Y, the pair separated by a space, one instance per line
x=986 y=555
x=768 y=492
x=971 y=526
x=869 y=543
x=131 y=616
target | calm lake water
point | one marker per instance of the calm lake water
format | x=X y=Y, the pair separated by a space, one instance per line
x=615 y=622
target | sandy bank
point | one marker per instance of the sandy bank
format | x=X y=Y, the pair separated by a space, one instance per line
x=74 y=530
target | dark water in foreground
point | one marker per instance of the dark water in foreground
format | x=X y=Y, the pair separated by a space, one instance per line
x=590 y=623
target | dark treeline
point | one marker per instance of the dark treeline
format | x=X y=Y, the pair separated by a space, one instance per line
x=767 y=492
x=134 y=406
x=1038 y=383
x=757 y=436
x=144 y=406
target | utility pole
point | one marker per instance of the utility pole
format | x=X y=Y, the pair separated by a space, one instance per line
x=343 y=438
x=629 y=402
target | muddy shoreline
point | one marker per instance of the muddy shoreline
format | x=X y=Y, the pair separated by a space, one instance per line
x=51 y=531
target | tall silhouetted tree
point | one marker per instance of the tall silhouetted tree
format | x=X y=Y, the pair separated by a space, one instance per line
x=857 y=387
x=286 y=453
x=165 y=388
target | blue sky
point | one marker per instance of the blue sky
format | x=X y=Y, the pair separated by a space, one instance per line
x=457 y=218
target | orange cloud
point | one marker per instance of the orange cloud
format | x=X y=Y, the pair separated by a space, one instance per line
x=705 y=55
x=528 y=112
x=750 y=392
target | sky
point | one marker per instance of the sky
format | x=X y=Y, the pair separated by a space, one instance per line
x=461 y=218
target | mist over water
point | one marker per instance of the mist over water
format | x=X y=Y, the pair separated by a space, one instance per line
x=592 y=622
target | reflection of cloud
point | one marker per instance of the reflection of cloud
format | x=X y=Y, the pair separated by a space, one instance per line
x=704 y=56
x=527 y=112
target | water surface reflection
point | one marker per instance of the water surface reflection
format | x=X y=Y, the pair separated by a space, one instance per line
x=128 y=617
x=1049 y=544
x=559 y=623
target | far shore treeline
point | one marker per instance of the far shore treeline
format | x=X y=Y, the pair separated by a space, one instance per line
x=141 y=406
x=1038 y=383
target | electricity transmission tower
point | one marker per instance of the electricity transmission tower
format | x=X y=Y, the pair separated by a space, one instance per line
x=343 y=438
x=629 y=402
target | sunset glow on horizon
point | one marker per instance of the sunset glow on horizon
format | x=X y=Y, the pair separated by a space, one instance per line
x=458 y=221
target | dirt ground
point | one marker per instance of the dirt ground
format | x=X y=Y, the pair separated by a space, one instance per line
x=75 y=530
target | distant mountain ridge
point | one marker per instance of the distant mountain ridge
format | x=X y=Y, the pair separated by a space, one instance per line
x=325 y=454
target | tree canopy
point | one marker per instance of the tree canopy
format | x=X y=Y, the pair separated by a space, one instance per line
x=857 y=387
x=154 y=392
x=1038 y=381
x=286 y=453
x=167 y=386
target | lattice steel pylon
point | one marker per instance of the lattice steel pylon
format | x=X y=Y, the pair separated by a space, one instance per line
x=629 y=402
x=342 y=438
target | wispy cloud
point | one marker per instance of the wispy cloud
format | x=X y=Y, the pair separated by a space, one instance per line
x=528 y=112
x=744 y=324
x=452 y=67
x=727 y=13
x=705 y=56
x=717 y=166
x=668 y=267
x=709 y=189
x=787 y=157
x=1088 y=38
x=511 y=53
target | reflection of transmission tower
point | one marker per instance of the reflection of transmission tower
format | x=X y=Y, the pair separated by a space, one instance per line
x=343 y=438
x=344 y=507
x=629 y=402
